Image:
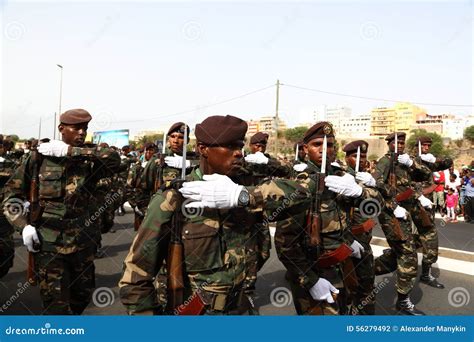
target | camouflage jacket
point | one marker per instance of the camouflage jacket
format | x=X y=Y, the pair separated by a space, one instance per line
x=289 y=202
x=217 y=244
x=274 y=168
x=405 y=177
x=439 y=165
x=365 y=212
x=66 y=188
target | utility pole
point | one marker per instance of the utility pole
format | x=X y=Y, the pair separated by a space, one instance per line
x=276 y=115
x=39 y=130
x=60 y=98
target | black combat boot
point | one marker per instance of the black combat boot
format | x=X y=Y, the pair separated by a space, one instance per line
x=428 y=279
x=406 y=307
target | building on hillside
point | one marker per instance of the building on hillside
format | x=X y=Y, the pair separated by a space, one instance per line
x=356 y=127
x=382 y=122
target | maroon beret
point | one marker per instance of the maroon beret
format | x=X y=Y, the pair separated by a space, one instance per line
x=220 y=130
x=318 y=130
x=400 y=135
x=352 y=146
x=259 y=138
x=425 y=140
x=75 y=116
x=178 y=127
x=150 y=145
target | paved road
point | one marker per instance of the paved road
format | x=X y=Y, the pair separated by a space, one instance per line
x=16 y=298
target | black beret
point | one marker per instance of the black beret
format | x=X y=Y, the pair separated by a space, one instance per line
x=75 y=116
x=352 y=146
x=221 y=130
x=259 y=138
x=400 y=135
x=45 y=140
x=318 y=130
x=425 y=140
x=178 y=127
x=149 y=146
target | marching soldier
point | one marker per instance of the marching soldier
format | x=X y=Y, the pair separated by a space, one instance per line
x=426 y=232
x=59 y=232
x=394 y=178
x=362 y=223
x=315 y=253
x=215 y=242
x=8 y=164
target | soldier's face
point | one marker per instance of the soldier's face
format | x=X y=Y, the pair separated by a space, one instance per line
x=149 y=153
x=224 y=160
x=301 y=153
x=73 y=135
x=425 y=148
x=314 y=150
x=401 y=146
x=352 y=158
x=254 y=148
x=176 y=142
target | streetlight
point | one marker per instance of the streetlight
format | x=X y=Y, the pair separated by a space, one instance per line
x=60 y=98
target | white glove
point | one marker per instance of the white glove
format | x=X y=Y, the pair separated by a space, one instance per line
x=216 y=191
x=400 y=213
x=425 y=202
x=405 y=159
x=30 y=237
x=300 y=167
x=54 y=148
x=322 y=291
x=336 y=164
x=176 y=161
x=345 y=185
x=357 y=249
x=256 y=158
x=365 y=178
x=428 y=158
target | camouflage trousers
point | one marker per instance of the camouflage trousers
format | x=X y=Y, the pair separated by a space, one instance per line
x=66 y=281
x=7 y=247
x=426 y=235
x=306 y=305
x=402 y=255
x=259 y=251
x=363 y=299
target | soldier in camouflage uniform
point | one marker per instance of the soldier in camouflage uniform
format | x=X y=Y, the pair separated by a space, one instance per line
x=426 y=234
x=289 y=202
x=216 y=242
x=396 y=220
x=62 y=241
x=362 y=223
x=8 y=164
x=126 y=160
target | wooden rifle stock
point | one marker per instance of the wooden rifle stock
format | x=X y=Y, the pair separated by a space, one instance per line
x=313 y=220
x=392 y=180
x=35 y=211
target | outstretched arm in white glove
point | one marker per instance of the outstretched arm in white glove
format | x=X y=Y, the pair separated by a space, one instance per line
x=366 y=179
x=357 y=249
x=300 y=167
x=400 y=213
x=405 y=160
x=323 y=290
x=256 y=158
x=345 y=185
x=428 y=158
x=30 y=237
x=425 y=202
x=216 y=191
x=54 y=148
x=176 y=161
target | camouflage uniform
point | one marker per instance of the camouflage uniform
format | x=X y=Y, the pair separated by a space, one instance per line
x=64 y=265
x=363 y=301
x=7 y=248
x=426 y=235
x=216 y=254
x=291 y=242
x=402 y=255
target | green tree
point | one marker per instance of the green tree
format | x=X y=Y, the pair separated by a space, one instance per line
x=469 y=133
x=295 y=134
x=437 y=147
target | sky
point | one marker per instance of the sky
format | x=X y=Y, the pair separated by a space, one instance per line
x=145 y=65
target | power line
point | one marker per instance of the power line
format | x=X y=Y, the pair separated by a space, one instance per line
x=199 y=107
x=374 y=98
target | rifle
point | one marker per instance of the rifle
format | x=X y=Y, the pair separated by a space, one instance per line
x=35 y=210
x=175 y=259
x=392 y=181
x=159 y=179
